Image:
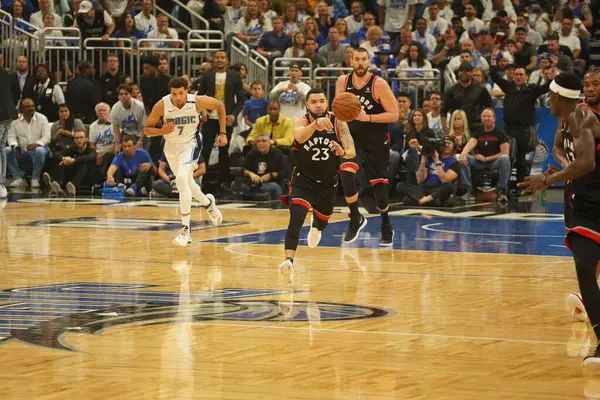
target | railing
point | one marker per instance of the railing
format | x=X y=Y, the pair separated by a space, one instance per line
x=402 y=82
x=325 y=78
x=201 y=44
x=173 y=48
x=258 y=69
x=96 y=50
x=6 y=22
x=60 y=52
x=193 y=14
x=281 y=65
x=24 y=42
x=240 y=52
x=171 y=17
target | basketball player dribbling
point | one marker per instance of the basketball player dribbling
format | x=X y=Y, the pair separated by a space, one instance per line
x=371 y=138
x=180 y=111
x=314 y=180
x=577 y=148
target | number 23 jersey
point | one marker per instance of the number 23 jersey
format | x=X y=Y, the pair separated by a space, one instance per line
x=315 y=158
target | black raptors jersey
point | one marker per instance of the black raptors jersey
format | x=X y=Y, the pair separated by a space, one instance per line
x=587 y=188
x=364 y=131
x=315 y=158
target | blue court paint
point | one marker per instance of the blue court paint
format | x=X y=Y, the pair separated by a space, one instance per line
x=473 y=235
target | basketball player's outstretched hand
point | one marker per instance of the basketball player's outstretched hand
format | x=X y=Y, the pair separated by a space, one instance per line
x=167 y=128
x=337 y=149
x=362 y=116
x=533 y=184
x=324 y=124
x=222 y=140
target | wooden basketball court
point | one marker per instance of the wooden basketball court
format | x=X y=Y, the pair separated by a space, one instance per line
x=96 y=303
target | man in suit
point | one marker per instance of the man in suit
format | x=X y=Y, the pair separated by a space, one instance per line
x=22 y=82
x=154 y=85
x=227 y=87
x=83 y=93
x=7 y=114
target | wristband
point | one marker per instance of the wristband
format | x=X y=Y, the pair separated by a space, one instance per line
x=222 y=133
x=439 y=164
x=344 y=153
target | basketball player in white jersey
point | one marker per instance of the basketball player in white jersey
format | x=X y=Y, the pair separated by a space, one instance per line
x=180 y=111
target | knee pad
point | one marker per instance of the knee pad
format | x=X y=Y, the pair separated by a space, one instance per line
x=381 y=196
x=292 y=234
x=319 y=223
x=348 y=183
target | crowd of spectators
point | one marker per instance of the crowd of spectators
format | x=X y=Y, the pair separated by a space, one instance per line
x=488 y=53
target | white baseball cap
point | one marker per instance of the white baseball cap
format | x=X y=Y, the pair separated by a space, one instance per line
x=84 y=7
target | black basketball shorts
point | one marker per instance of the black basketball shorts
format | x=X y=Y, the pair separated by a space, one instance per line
x=312 y=195
x=374 y=157
x=581 y=217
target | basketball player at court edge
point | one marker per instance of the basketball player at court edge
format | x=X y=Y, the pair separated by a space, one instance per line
x=314 y=181
x=180 y=113
x=577 y=148
x=371 y=138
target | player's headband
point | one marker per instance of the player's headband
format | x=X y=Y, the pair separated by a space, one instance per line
x=564 y=92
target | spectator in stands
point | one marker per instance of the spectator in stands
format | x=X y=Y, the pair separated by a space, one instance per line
x=154 y=85
x=348 y=54
x=279 y=128
x=415 y=60
x=477 y=61
x=19 y=14
x=490 y=148
x=333 y=51
x=129 y=31
x=533 y=36
x=253 y=25
x=163 y=63
x=355 y=20
x=343 y=35
x=496 y=6
x=526 y=55
x=83 y=93
x=213 y=13
x=7 y=115
x=162 y=31
x=71 y=15
x=256 y=107
x=265 y=169
x=484 y=44
x=93 y=22
x=297 y=48
x=301 y=8
x=564 y=55
x=133 y=168
x=416 y=137
x=117 y=9
x=232 y=14
x=26 y=5
x=265 y=9
x=102 y=138
x=420 y=35
x=226 y=86
x=446 y=50
x=76 y=169
x=62 y=130
x=291 y=94
x=396 y=16
x=28 y=139
x=373 y=35
x=582 y=11
x=445 y=11
x=128 y=116
x=434 y=117
x=467 y=96
x=470 y=22
x=146 y=21
x=47 y=94
x=405 y=43
x=309 y=29
x=324 y=22
x=436 y=25
x=37 y=18
x=290 y=20
x=480 y=77
x=569 y=38
x=274 y=43
x=310 y=52
x=243 y=71
x=519 y=113
x=459 y=130
x=110 y=81
x=22 y=82
x=361 y=35
x=383 y=60
x=397 y=132
x=436 y=178
x=165 y=185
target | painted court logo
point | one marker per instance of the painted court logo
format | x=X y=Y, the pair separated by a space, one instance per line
x=43 y=315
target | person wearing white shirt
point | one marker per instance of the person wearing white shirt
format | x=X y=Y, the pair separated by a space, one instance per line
x=445 y=11
x=233 y=14
x=252 y=25
x=128 y=116
x=47 y=94
x=146 y=21
x=425 y=38
x=37 y=18
x=116 y=8
x=163 y=31
x=28 y=138
x=568 y=38
x=102 y=138
x=470 y=22
x=436 y=25
x=354 y=21
x=434 y=118
x=492 y=7
x=291 y=94
x=396 y=15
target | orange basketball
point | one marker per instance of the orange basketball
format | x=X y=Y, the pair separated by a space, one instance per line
x=346 y=106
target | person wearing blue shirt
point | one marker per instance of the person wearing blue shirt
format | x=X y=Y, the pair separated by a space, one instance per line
x=133 y=168
x=436 y=176
x=256 y=107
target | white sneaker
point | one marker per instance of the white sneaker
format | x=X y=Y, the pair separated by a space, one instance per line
x=3 y=204
x=35 y=183
x=314 y=235
x=3 y=192
x=286 y=272
x=47 y=179
x=71 y=189
x=213 y=212
x=574 y=303
x=130 y=192
x=18 y=183
x=184 y=238
x=55 y=186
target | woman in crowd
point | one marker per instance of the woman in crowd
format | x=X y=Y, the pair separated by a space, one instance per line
x=253 y=25
x=419 y=65
x=309 y=28
x=342 y=27
x=297 y=49
x=290 y=20
x=459 y=129
x=374 y=33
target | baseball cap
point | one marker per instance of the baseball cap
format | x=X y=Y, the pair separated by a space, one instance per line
x=295 y=66
x=84 y=7
x=465 y=67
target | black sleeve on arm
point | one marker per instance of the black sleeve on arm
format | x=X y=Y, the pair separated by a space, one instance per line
x=280 y=164
x=89 y=157
x=500 y=81
x=455 y=166
x=447 y=101
x=250 y=160
x=239 y=97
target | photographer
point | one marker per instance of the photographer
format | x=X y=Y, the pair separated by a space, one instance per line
x=416 y=138
x=492 y=149
x=436 y=176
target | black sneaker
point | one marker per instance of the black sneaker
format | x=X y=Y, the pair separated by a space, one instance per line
x=387 y=235
x=354 y=228
x=593 y=361
x=502 y=197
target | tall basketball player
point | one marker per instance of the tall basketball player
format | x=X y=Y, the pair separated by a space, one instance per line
x=371 y=138
x=180 y=112
x=577 y=147
x=318 y=135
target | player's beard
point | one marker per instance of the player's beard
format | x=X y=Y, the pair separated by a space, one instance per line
x=360 y=74
x=592 y=103
x=315 y=116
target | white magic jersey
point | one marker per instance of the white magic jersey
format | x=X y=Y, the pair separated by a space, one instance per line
x=186 y=120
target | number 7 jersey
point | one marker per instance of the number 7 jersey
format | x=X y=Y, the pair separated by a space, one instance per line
x=186 y=120
x=316 y=158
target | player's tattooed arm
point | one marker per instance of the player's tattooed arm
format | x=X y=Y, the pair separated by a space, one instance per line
x=346 y=139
